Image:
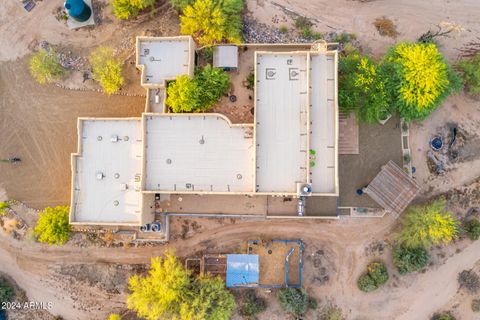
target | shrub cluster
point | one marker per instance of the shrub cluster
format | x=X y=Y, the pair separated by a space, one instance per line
x=469 y=280
x=3 y=207
x=413 y=79
x=408 y=259
x=376 y=276
x=211 y=21
x=45 y=68
x=470 y=70
x=472 y=227
x=200 y=93
x=296 y=301
x=476 y=305
x=6 y=290
x=331 y=313
x=252 y=305
x=443 y=316
x=304 y=25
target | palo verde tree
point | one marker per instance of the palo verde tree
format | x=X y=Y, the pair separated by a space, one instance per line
x=53 y=226
x=424 y=226
x=126 y=9
x=106 y=69
x=45 y=68
x=212 y=21
x=169 y=292
x=421 y=78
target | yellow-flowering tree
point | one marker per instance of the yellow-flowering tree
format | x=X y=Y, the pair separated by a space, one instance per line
x=168 y=292
x=126 y=9
x=114 y=316
x=53 y=226
x=423 y=78
x=45 y=67
x=106 y=69
x=204 y=21
x=424 y=226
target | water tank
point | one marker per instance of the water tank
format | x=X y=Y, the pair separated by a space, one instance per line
x=78 y=10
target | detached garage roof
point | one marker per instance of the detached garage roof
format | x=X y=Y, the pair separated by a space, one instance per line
x=242 y=270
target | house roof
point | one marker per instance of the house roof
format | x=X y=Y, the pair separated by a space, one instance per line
x=392 y=188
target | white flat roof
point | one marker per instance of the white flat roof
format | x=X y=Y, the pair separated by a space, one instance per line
x=323 y=123
x=281 y=121
x=107 y=179
x=164 y=58
x=197 y=153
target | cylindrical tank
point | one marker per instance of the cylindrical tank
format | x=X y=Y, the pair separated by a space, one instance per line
x=78 y=10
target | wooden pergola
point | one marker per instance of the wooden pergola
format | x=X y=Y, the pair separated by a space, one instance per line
x=392 y=188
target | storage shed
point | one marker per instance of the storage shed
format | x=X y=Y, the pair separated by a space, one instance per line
x=226 y=57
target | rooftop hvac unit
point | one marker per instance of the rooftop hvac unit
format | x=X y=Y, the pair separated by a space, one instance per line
x=304 y=189
x=100 y=175
x=114 y=138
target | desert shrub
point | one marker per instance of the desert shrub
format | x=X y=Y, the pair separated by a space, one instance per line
x=168 y=292
x=180 y=5
x=45 y=68
x=294 y=301
x=470 y=70
x=408 y=259
x=213 y=21
x=207 y=54
x=252 y=305
x=283 y=29
x=3 y=207
x=443 y=316
x=385 y=27
x=424 y=226
x=6 y=290
x=343 y=37
x=469 y=280
x=362 y=88
x=197 y=94
x=302 y=23
x=423 y=78
x=52 y=226
x=472 y=227
x=126 y=9
x=376 y=276
x=106 y=69
x=251 y=81
x=331 y=313
x=475 y=305
x=114 y=316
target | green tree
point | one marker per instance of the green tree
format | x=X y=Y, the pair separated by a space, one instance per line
x=232 y=12
x=472 y=227
x=424 y=226
x=52 y=226
x=470 y=70
x=425 y=78
x=362 y=88
x=408 y=259
x=197 y=94
x=160 y=294
x=126 y=9
x=208 y=300
x=45 y=68
x=213 y=83
x=106 y=69
x=376 y=276
x=252 y=305
x=6 y=290
x=294 y=300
